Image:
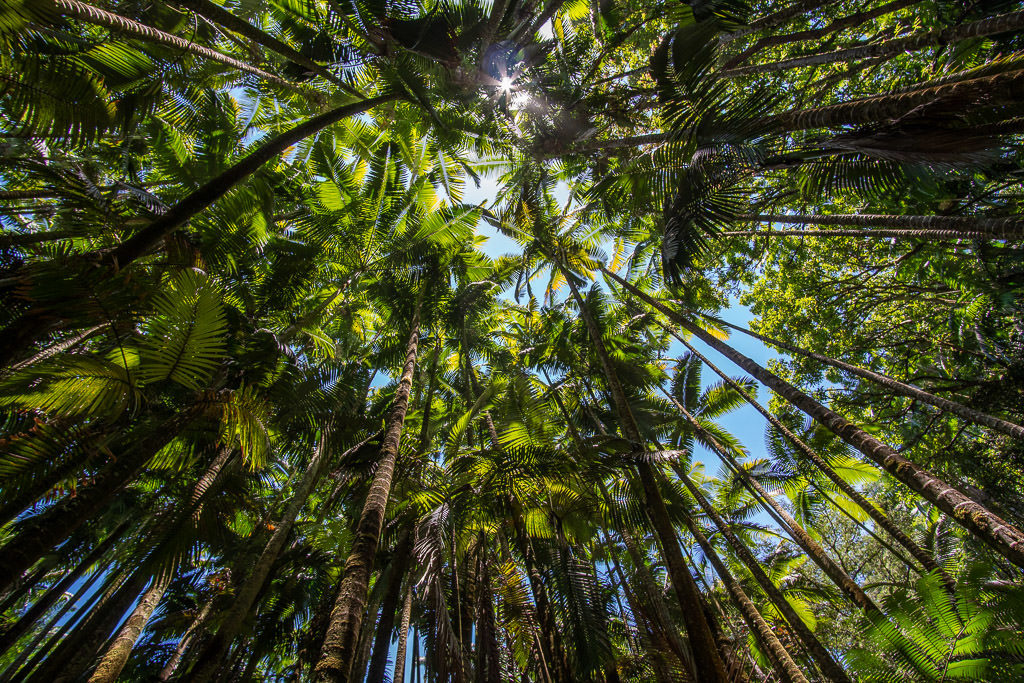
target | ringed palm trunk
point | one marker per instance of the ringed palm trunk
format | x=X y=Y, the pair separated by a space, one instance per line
x=776 y=18
x=40 y=535
x=1004 y=23
x=998 y=534
x=192 y=631
x=24 y=332
x=208 y=660
x=896 y=387
x=1001 y=227
x=343 y=630
x=780 y=658
x=883 y=522
x=873 y=233
x=829 y=667
x=139 y=31
x=707 y=662
x=117 y=654
x=403 y=639
x=389 y=606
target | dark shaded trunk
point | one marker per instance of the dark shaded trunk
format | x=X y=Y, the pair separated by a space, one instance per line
x=1000 y=227
x=1001 y=536
x=392 y=594
x=488 y=663
x=1004 y=23
x=346 y=618
x=116 y=656
x=873 y=233
x=896 y=387
x=777 y=18
x=707 y=662
x=194 y=629
x=403 y=639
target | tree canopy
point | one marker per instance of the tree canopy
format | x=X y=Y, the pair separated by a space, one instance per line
x=741 y=399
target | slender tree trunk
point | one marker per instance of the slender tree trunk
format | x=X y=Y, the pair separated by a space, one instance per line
x=855 y=19
x=117 y=654
x=821 y=655
x=392 y=594
x=53 y=350
x=209 y=658
x=895 y=386
x=39 y=535
x=777 y=18
x=781 y=661
x=999 y=227
x=403 y=638
x=1001 y=536
x=999 y=89
x=346 y=618
x=138 y=31
x=810 y=546
x=1003 y=23
x=50 y=598
x=872 y=233
x=707 y=662
x=488 y=664
x=194 y=628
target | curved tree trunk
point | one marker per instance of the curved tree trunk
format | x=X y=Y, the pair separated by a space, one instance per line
x=819 y=652
x=895 y=386
x=707 y=661
x=403 y=639
x=1003 y=23
x=117 y=654
x=1001 y=536
x=855 y=19
x=138 y=31
x=999 y=227
x=766 y=638
x=346 y=618
x=998 y=89
x=195 y=627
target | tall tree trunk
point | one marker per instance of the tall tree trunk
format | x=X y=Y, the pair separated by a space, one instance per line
x=138 y=31
x=488 y=664
x=21 y=334
x=1001 y=227
x=776 y=18
x=781 y=661
x=1003 y=23
x=403 y=639
x=50 y=598
x=872 y=233
x=832 y=570
x=392 y=594
x=895 y=386
x=829 y=667
x=849 y=21
x=707 y=662
x=191 y=632
x=117 y=654
x=883 y=521
x=998 y=89
x=1001 y=536
x=346 y=617
x=208 y=660
x=39 y=535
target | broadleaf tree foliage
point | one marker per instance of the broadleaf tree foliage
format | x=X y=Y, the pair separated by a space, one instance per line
x=271 y=408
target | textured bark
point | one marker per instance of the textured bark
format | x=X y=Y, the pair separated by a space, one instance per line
x=895 y=386
x=39 y=535
x=855 y=19
x=194 y=628
x=392 y=594
x=346 y=617
x=776 y=18
x=488 y=662
x=867 y=232
x=998 y=89
x=50 y=598
x=972 y=515
x=403 y=639
x=117 y=654
x=829 y=667
x=1000 y=227
x=991 y=26
x=138 y=31
x=1001 y=536
x=782 y=662
x=922 y=556
x=59 y=347
x=234 y=619
x=707 y=662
